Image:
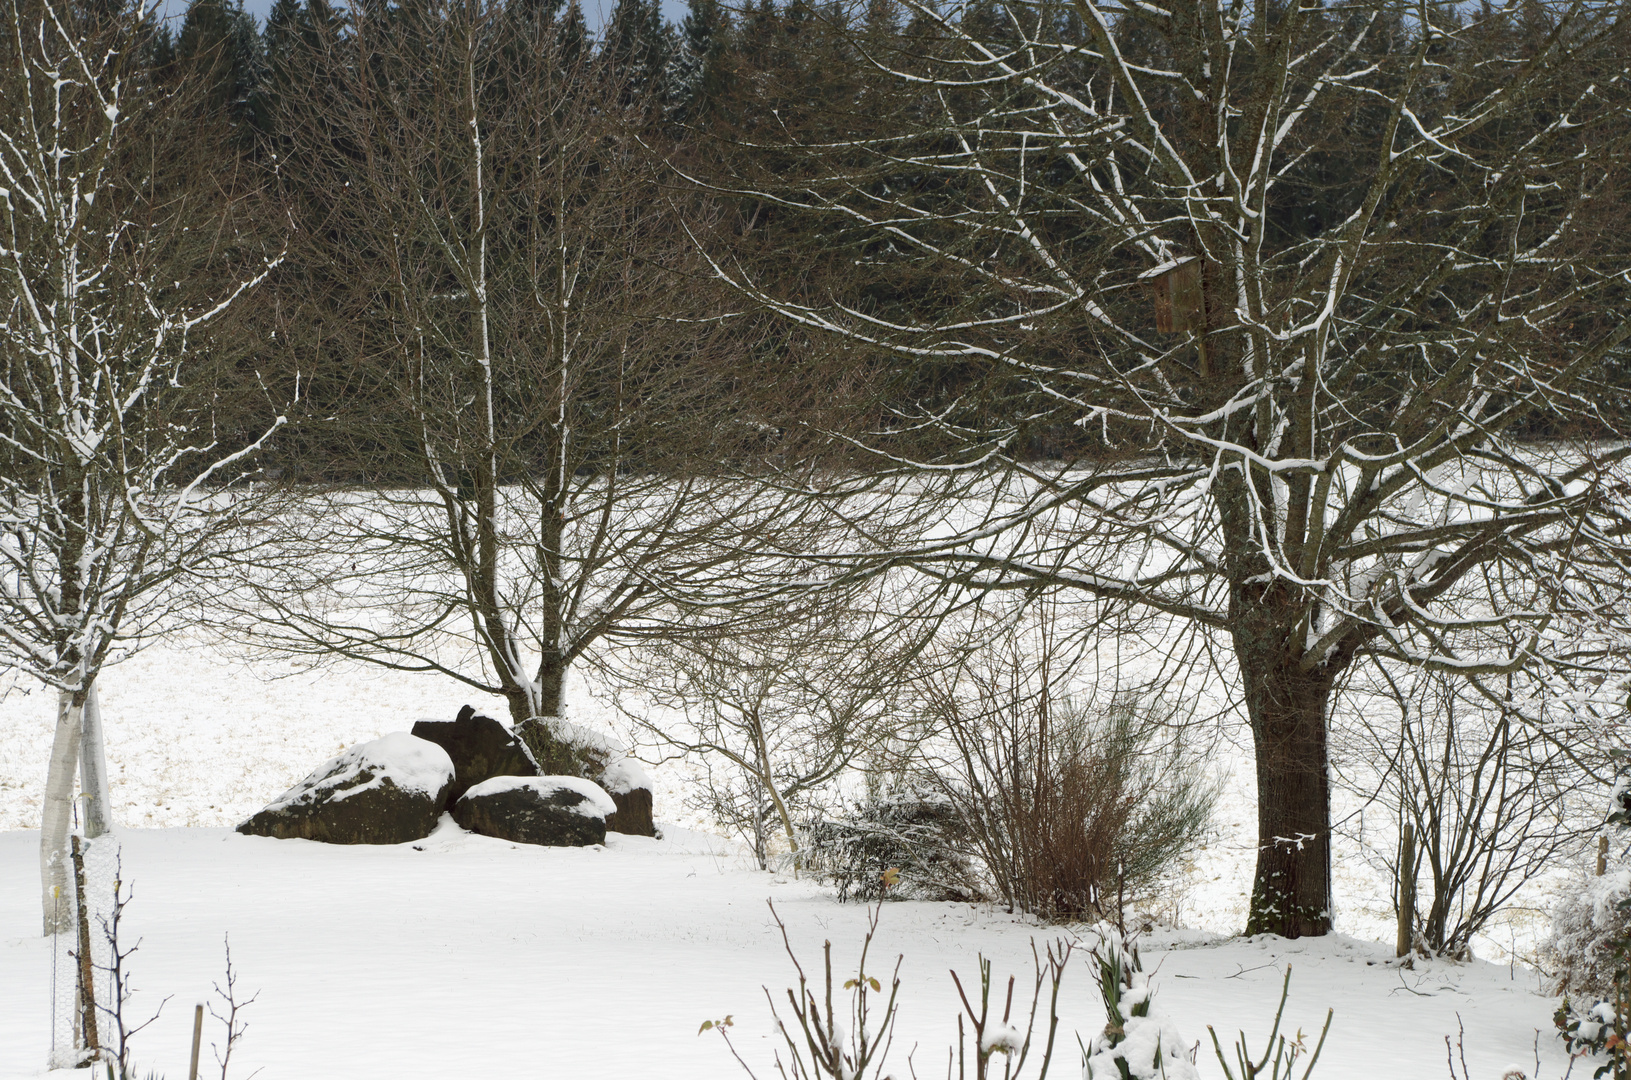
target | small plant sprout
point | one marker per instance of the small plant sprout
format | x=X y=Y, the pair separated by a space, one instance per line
x=228 y=1013
x=1281 y=1054
x=817 y=1045
x=117 y=970
x=993 y=1036
x=1135 y=1044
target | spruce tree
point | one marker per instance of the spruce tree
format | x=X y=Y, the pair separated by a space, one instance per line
x=637 y=47
x=218 y=44
x=696 y=77
x=573 y=35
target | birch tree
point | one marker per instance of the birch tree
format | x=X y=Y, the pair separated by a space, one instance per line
x=530 y=383
x=110 y=484
x=1307 y=295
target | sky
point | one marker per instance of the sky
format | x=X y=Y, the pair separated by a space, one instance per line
x=595 y=11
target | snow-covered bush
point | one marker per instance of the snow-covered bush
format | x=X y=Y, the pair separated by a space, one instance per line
x=1600 y=1029
x=901 y=846
x=1589 y=952
x=1135 y=1044
x=1589 y=932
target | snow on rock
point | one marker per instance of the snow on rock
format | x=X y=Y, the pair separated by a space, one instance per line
x=553 y=811
x=387 y=791
x=561 y=747
x=623 y=776
x=593 y=801
x=411 y=763
x=480 y=747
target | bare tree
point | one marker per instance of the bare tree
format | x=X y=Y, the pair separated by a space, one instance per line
x=777 y=715
x=535 y=374
x=1492 y=790
x=111 y=484
x=1384 y=248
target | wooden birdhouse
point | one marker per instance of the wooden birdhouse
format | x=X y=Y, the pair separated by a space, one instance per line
x=1180 y=304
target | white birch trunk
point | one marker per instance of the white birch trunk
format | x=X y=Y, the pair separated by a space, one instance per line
x=56 y=816
x=93 y=770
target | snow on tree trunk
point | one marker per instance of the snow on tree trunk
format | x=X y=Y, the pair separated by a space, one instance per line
x=106 y=454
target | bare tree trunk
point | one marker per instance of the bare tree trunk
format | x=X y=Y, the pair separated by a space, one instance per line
x=552 y=686
x=1407 y=890
x=93 y=769
x=767 y=776
x=56 y=816
x=1291 y=892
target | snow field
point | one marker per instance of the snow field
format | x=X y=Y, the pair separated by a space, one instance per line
x=475 y=958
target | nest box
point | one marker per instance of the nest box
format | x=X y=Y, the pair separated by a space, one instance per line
x=1179 y=302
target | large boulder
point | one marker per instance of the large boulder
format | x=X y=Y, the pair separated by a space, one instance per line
x=630 y=788
x=388 y=791
x=555 y=811
x=562 y=747
x=480 y=747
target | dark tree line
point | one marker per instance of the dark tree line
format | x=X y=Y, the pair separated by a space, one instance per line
x=760 y=103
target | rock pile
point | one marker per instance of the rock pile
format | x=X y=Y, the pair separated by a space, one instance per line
x=551 y=782
x=480 y=747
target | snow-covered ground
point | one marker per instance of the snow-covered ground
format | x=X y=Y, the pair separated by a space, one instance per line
x=473 y=958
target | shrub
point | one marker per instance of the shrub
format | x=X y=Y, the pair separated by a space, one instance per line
x=1070 y=812
x=823 y=1037
x=904 y=846
x=1589 y=930
x=1488 y=789
x=1590 y=955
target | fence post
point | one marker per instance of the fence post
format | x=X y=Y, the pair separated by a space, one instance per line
x=1407 y=890
x=198 y=1037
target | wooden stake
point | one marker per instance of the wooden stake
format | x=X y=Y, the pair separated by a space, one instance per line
x=1407 y=891
x=198 y=1035
x=87 y=975
x=1602 y=855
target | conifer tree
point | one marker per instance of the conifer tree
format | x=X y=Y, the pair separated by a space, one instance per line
x=218 y=44
x=696 y=74
x=572 y=37
x=637 y=48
